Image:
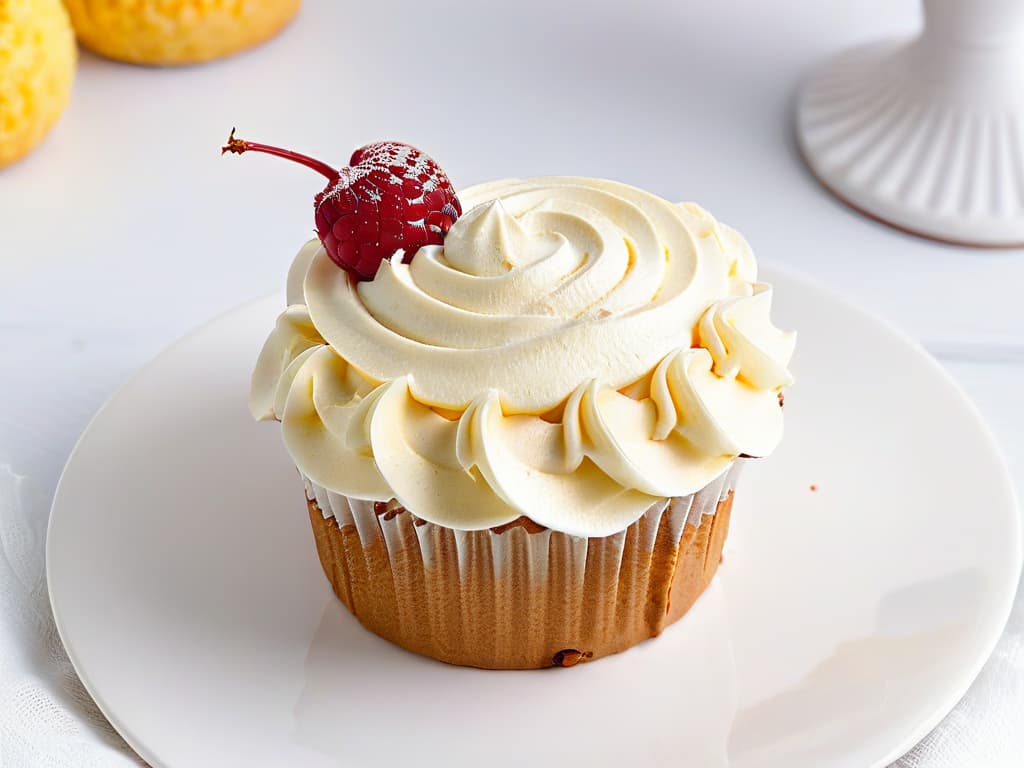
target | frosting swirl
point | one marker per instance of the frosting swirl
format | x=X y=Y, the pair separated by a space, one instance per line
x=574 y=351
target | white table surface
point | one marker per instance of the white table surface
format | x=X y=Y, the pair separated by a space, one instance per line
x=126 y=229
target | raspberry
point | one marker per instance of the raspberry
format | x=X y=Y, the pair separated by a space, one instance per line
x=390 y=198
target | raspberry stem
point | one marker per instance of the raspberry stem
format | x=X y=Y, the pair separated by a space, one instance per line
x=238 y=146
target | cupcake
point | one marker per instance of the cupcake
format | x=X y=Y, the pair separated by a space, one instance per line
x=519 y=412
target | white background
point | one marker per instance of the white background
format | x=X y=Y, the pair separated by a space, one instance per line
x=126 y=229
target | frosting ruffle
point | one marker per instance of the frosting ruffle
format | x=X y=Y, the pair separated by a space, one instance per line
x=575 y=351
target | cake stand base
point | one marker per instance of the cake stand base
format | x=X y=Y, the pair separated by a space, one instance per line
x=925 y=138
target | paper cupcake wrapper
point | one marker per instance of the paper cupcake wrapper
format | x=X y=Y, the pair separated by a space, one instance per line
x=519 y=596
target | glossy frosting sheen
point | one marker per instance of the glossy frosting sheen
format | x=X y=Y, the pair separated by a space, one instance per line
x=576 y=350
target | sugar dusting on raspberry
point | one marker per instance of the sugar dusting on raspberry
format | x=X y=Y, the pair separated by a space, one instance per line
x=381 y=158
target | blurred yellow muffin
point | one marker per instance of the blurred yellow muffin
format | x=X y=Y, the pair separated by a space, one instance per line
x=176 y=31
x=37 y=66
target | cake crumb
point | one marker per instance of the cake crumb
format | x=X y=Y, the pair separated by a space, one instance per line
x=813 y=488
x=570 y=657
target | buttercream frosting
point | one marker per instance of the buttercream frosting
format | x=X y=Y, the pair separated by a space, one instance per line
x=576 y=350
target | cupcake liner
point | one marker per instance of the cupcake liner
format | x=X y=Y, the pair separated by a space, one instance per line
x=520 y=595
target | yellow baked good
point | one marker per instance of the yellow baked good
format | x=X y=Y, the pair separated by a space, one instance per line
x=37 y=67
x=168 y=32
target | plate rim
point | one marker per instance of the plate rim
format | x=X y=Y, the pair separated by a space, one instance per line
x=796 y=276
x=116 y=723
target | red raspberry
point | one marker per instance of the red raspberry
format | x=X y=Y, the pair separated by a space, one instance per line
x=391 y=197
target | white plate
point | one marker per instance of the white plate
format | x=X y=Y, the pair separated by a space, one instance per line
x=844 y=622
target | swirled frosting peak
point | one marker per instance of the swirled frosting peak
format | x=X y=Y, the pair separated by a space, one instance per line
x=576 y=350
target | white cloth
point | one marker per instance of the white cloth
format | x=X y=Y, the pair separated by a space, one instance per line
x=47 y=718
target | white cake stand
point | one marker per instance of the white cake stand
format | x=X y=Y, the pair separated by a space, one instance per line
x=928 y=134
